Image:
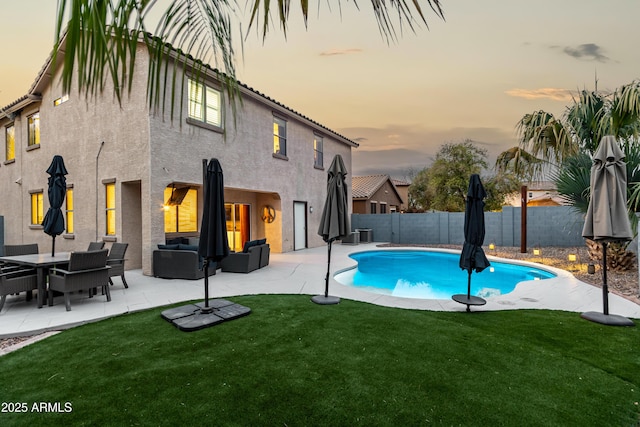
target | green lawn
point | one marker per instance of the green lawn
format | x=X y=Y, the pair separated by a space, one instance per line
x=295 y=363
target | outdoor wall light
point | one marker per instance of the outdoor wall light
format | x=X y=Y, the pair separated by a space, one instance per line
x=310 y=209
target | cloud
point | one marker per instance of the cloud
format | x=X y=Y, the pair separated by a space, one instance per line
x=546 y=92
x=333 y=52
x=587 y=51
x=399 y=149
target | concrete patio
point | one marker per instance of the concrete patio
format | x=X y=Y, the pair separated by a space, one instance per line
x=300 y=272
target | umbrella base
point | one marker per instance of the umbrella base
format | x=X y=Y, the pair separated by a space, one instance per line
x=328 y=300
x=468 y=300
x=607 y=319
x=192 y=317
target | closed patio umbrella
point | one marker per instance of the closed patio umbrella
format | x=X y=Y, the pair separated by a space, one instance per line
x=334 y=222
x=607 y=219
x=213 y=244
x=53 y=222
x=472 y=256
x=213 y=247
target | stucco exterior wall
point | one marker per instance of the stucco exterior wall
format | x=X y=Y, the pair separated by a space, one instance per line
x=102 y=141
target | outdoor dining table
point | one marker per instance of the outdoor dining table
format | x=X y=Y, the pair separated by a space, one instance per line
x=41 y=262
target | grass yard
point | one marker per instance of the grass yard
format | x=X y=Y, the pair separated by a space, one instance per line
x=295 y=363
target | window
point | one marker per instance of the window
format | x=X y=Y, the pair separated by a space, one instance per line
x=383 y=208
x=317 y=151
x=10 y=142
x=181 y=217
x=204 y=104
x=37 y=207
x=110 y=208
x=61 y=100
x=279 y=136
x=69 y=210
x=34 y=129
x=374 y=206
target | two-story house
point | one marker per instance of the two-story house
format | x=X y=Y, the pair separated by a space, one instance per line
x=135 y=175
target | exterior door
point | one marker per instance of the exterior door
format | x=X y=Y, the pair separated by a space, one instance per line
x=299 y=225
x=238 y=225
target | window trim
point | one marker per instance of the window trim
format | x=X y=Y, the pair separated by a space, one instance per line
x=279 y=154
x=197 y=121
x=34 y=145
x=108 y=209
x=316 y=164
x=39 y=206
x=6 y=142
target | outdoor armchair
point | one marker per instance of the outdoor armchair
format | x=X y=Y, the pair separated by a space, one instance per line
x=242 y=262
x=17 y=280
x=86 y=271
x=116 y=262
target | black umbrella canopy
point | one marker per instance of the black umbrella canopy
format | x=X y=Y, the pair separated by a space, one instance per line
x=472 y=256
x=334 y=222
x=53 y=222
x=213 y=230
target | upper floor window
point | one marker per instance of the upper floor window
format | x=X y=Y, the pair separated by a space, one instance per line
x=317 y=151
x=10 y=142
x=279 y=136
x=374 y=206
x=33 y=122
x=61 y=100
x=110 y=208
x=69 y=210
x=37 y=207
x=204 y=104
x=383 y=208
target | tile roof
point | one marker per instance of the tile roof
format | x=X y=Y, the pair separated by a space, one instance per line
x=363 y=187
x=45 y=72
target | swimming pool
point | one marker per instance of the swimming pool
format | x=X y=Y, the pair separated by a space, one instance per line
x=432 y=275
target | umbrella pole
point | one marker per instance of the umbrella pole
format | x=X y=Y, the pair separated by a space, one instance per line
x=605 y=289
x=469 y=285
x=326 y=280
x=53 y=246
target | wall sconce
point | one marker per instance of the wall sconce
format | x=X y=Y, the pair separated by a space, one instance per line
x=310 y=209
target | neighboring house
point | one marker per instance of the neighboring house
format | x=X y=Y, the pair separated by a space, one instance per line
x=403 y=190
x=136 y=176
x=539 y=193
x=375 y=194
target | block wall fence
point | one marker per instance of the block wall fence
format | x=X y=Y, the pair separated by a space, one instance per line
x=559 y=226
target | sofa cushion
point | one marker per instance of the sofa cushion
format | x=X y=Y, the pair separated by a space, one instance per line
x=262 y=241
x=171 y=247
x=182 y=247
x=249 y=244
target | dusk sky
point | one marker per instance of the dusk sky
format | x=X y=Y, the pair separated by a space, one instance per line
x=472 y=76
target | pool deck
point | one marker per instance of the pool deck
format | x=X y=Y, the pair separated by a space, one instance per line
x=299 y=272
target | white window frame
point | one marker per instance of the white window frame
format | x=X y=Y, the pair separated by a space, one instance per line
x=205 y=104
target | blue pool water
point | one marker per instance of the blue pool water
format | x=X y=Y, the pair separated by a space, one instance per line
x=433 y=275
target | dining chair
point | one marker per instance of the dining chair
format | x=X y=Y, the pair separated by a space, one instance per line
x=116 y=262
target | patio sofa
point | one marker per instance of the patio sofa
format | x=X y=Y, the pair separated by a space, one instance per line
x=254 y=255
x=179 y=261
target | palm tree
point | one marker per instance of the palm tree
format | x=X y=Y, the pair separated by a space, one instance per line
x=100 y=38
x=545 y=141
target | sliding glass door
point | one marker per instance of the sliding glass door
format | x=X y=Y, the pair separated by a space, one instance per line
x=238 y=225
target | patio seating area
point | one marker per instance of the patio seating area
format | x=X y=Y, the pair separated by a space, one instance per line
x=299 y=272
